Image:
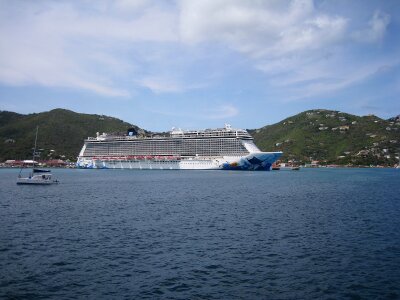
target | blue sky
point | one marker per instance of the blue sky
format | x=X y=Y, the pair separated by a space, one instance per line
x=200 y=63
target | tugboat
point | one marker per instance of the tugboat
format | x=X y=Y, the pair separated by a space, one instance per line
x=275 y=167
x=37 y=176
x=285 y=166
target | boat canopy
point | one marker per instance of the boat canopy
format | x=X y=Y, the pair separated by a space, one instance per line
x=40 y=171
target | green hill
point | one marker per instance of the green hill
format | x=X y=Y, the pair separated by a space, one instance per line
x=333 y=137
x=330 y=137
x=60 y=130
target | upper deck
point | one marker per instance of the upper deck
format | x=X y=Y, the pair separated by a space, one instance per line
x=226 y=132
x=209 y=142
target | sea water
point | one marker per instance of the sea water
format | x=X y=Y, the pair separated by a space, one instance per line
x=129 y=234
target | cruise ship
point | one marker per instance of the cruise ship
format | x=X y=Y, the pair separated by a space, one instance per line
x=210 y=149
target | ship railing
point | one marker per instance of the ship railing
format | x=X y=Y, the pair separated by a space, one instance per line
x=112 y=138
x=137 y=157
x=230 y=134
x=194 y=136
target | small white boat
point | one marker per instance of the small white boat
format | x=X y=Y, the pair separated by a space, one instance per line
x=37 y=176
x=288 y=167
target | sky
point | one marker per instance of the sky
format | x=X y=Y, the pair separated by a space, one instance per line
x=198 y=64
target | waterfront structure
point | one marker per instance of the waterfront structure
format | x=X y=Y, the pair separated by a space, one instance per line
x=223 y=148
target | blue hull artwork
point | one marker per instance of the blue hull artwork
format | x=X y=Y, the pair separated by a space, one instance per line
x=254 y=162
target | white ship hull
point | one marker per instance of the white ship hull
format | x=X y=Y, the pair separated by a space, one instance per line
x=253 y=161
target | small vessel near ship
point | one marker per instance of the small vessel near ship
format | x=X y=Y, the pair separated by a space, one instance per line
x=288 y=167
x=210 y=149
x=36 y=176
x=285 y=167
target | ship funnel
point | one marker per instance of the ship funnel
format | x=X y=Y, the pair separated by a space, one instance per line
x=131 y=132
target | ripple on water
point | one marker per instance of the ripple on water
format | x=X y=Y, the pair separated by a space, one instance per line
x=327 y=234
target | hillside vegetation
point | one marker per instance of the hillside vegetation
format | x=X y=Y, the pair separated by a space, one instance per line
x=60 y=130
x=333 y=137
x=330 y=137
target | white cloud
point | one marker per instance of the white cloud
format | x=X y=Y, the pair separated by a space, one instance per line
x=292 y=42
x=221 y=112
x=347 y=77
x=131 y=6
x=217 y=112
x=161 y=85
x=260 y=28
x=376 y=29
x=57 y=44
x=103 y=46
x=167 y=84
